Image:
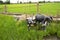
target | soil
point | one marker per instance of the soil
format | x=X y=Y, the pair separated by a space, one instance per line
x=51 y=38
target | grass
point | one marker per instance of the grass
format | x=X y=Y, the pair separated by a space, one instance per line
x=7 y=28
x=44 y=8
x=13 y=30
x=35 y=34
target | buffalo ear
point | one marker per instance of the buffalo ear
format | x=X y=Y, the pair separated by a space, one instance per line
x=51 y=17
x=26 y=19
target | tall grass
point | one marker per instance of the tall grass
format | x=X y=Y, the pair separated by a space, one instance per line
x=8 y=29
x=13 y=30
x=34 y=34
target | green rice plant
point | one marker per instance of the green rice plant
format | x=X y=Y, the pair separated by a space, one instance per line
x=13 y=30
x=8 y=29
x=58 y=29
x=1 y=8
x=52 y=28
x=35 y=34
x=44 y=8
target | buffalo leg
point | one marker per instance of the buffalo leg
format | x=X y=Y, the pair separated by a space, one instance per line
x=43 y=27
x=29 y=26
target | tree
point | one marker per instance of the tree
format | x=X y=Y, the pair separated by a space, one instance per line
x=40 y=1
x=7 y=2
x=1 y=2
x=29 y=1
x=20 y=2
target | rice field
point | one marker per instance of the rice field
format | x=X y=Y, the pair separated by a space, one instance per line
x=44 y=8
x=12 y=30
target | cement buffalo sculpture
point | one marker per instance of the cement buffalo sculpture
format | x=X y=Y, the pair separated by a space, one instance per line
x=44 y=20
x=30 y=22
x=41 y=19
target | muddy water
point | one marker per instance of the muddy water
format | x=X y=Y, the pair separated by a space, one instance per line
x=51 y=38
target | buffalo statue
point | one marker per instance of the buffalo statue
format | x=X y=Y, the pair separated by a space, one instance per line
x=44 y=20
x=39 y=19
x=30 y=22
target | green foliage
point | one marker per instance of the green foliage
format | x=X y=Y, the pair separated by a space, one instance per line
x=1 y=7
x=7 y=2
x=40 y=2
x=30 y=2
x=45 y=8
x=7 y=28
x=34 y=34
x=20 y=2
x=1 y=2
x=12 y=30
x=58 y=29
x=52 y=28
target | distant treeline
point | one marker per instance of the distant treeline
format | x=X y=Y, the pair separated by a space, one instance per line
x=8 y=2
